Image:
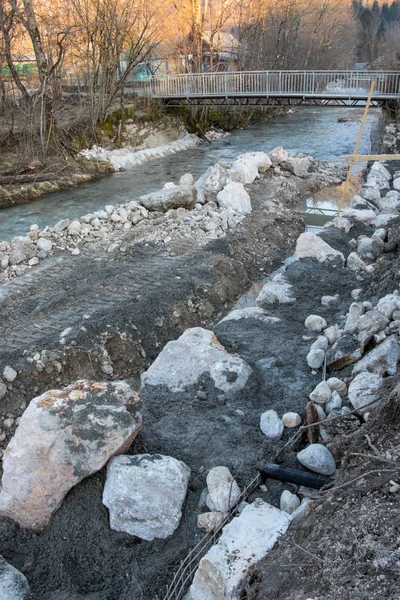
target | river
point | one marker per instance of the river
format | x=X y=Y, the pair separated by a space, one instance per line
x=311 y=130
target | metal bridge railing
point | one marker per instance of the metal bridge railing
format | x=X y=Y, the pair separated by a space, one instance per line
x=306 y=84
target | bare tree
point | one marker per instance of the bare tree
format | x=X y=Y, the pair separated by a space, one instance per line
x=113 y=36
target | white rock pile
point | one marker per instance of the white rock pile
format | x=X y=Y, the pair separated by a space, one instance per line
x=126 y=158
x=204 y=210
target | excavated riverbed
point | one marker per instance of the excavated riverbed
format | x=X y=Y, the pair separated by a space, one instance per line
x=74 y=310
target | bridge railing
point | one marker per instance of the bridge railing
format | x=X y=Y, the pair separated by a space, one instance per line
x=316 y=84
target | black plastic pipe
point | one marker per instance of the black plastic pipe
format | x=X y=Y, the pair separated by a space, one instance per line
x=311 y=480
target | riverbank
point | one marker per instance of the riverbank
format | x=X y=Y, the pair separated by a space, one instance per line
x=106 y=316
x=316 y=129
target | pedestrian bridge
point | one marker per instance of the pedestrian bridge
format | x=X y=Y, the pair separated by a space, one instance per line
x=284 y=88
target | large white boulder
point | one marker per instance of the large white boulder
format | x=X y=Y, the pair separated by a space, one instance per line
x=244 y=541
x=364 y=216
x=390 y=203
x=212 y=182
x=63 y=437
x=278 y=155
x=22 y=249
x=175 y=197
x=223 y=491
x=247 y=167
x=145 y=493
x=310 y=245
x=363 y=388
x=235 y=196
x=382 y=359
x=379 y=170
x=276 y=290
x=182 y=362
x=297 y=165
x=13 y=584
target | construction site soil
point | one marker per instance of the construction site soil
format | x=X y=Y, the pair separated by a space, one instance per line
x=130 y=305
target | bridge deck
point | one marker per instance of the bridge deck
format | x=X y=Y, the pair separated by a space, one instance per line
x=342 y=86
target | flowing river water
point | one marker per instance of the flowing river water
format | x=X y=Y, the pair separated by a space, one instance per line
x=311 y=130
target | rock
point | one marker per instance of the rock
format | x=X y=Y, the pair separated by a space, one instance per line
x=364 y=216
x=334 y=403
x=210 y=521
x=145 y=493
x=369 y=247
x=355 y=262
x=186 y=179
x=390 y=203
x=250 y=312
x=317 y=458
x=297 y=166
x=9 y=374
x=321 y=394
x=396 y=184
x=44 y=245
x=304 y=510
x=182 y=362
x=13 y=584
x=315 y=359
x=359 y=203
x=383 y=220
x=321 y=343
x=75 y=227
x=344 y=352
x=315 y=323
x=167 y=198
x=354 y=315
x=331 y=334
x=370 y=191
x=223 y=491
x=278 y=155
x=235 y=196
x=356 y=293
x=382 y=359
x=33 y=261
x=276 y=290
x=387 y=305
x=291 y=420
x=64 y=436
x=247 y=167
x=380 y=170
x=248 y=538
x=363 y=388
x=289 y=502
x=22 y=249
x=369 y=324
x=337 y=385
x=3 y=390
x=330 y=300
x=61 y=225
x=340 y=223
x=381 y=234
x=310 y=245
x=212 y=182
x=271 y=425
